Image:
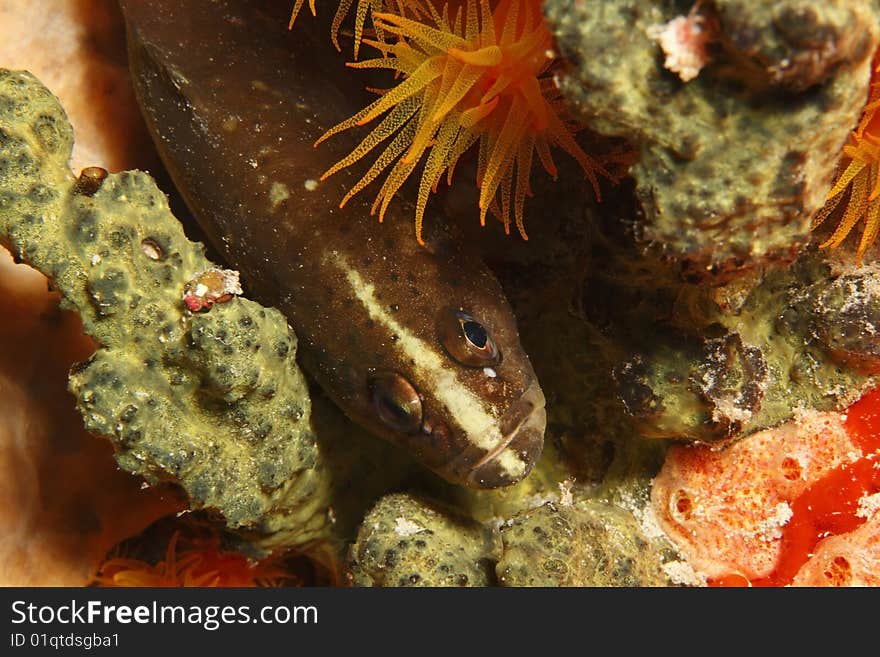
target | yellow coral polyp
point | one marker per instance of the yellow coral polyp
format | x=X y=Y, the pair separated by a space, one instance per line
x=402 y=7
x=477 y=77
x=858 y=186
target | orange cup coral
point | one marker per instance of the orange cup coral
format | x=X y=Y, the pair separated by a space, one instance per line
x=400 y=6
x=202 y=563
x=480 y=76
x=859 y=184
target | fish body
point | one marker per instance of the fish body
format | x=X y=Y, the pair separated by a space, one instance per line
x=417 y=344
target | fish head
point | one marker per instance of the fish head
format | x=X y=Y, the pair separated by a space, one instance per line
x=450 y=383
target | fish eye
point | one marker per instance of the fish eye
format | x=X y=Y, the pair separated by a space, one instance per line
x=396 y=401
x=466 y=339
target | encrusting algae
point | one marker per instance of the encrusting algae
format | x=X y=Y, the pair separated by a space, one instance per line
x=470 y=74
x=859 y=184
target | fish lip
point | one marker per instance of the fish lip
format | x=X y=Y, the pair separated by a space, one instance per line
x=523 y=436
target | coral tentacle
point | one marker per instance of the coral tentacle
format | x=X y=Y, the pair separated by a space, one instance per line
x=470 y=74
x=858 y=186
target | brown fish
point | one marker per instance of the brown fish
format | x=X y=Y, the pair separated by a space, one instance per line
x=417 y=344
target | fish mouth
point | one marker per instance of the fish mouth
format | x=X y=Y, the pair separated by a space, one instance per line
x=521 y=443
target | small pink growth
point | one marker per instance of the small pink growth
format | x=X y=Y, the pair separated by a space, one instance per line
x=684 y=40
x=209 y=287
x=194 y=303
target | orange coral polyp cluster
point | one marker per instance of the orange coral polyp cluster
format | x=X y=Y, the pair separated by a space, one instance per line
x=475 y=77
x=413 y=8
x=201 y=563
x=858 y=187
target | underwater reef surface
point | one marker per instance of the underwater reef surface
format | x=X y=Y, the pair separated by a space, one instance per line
x=634 y=352
x=744 y=357
x=164 y=385
x=733 y=163
x=56 y=529
x=417 y=344
x=795 y=505
x=77 y=49
x=64 y=503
